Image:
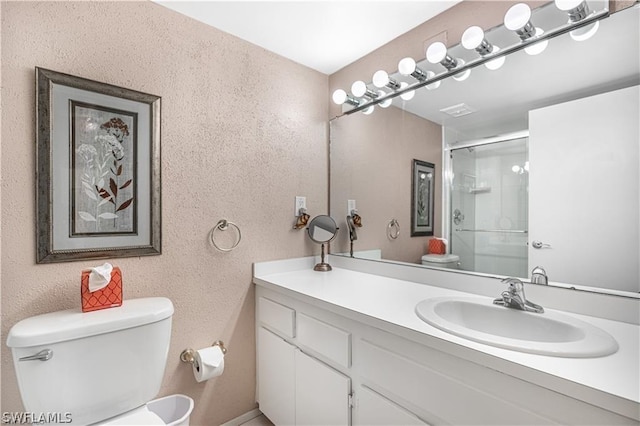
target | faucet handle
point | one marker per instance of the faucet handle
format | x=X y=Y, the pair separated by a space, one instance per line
x=514 y=284
x=539 y=276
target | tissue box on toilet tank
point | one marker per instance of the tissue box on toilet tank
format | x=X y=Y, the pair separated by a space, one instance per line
x=437 y=246
x=107 y=297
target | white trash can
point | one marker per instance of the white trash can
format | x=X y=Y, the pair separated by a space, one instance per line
x=174 y=410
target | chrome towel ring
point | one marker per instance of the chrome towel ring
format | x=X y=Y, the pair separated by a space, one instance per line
x=224 y=225
x=393 y=229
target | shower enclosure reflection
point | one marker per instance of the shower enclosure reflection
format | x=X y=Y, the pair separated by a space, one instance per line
x=489 y=193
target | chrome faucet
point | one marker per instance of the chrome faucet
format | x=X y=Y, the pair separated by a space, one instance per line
x=514 y=298
x=539 y=276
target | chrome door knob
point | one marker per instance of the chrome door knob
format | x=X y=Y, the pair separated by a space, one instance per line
x=540 y=245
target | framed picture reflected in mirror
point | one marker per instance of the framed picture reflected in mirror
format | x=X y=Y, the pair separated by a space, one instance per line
x=422 y=198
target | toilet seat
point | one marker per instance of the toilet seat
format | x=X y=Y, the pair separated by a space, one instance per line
x=139 y=416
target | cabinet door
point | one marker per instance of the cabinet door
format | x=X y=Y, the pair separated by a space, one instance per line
x=276 y=378
x=322 y=394
x=373 y=409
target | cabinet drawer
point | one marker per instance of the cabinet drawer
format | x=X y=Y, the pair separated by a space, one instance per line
x=277 y=317
x=431 y=393
x=325 y=339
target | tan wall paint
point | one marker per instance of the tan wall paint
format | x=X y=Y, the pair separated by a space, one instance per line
x=243 y=132
x=377 y=151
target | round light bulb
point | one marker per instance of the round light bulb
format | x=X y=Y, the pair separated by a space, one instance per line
x=494 y=64
x=406 y=66
x=407 y=96
x=517 y=16
x=339 y=97
x=586 y=32
x=567 y=5
x=358 y=88
x=537 y=48
x=380 y=79
x=436 y=52
x=472 y=37
x=368 y=110
x=386 y=102
x=515 y=168
x=432 y=86
x=464 y=75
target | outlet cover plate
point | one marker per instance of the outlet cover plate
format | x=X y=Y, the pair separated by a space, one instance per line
x=301 y=203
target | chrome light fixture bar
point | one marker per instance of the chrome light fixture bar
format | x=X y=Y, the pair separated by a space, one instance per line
x=359 y=89
x=381 y=79
x=473 y=39
x=591 y=19
x=437 y=54
x=340 y=97
x=578 y=10
x=518 y=19
x=407 y=66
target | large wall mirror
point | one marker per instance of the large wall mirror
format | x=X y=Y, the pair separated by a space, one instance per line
x=536 y=163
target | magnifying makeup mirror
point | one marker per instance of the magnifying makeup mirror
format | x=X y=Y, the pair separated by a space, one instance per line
x=322 y=230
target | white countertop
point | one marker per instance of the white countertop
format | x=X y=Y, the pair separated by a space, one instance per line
x=392 y=301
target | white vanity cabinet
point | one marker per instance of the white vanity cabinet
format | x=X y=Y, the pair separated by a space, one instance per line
x=317 y=366
x=295 y=388
x=372 y=409
x=322 y=394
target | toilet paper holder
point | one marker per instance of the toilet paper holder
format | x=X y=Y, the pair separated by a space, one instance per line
x=187 y=354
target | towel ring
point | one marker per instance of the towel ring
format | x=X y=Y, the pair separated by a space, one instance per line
x=393 y=229
x=223 y=225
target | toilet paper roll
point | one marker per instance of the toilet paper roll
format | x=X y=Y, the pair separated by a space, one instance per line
x=208 y=363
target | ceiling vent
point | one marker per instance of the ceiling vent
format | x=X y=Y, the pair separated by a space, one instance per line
x=458 y=110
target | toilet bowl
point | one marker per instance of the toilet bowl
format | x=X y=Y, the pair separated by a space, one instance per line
x=450 y=261
x=102 y=367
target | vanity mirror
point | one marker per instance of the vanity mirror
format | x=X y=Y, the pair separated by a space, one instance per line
x=322 y=230
x=539 y=160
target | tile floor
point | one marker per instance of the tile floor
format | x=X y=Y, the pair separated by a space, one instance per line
x=261 y=420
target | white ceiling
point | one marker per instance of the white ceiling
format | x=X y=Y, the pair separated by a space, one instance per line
x=323 y=35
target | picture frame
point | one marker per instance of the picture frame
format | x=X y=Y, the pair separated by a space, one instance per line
x=98 y=177
x=422 y=198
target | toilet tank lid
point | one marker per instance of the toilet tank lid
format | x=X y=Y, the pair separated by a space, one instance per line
x=441 y=258
x=74 y=324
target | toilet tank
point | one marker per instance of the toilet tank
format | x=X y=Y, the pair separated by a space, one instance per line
x=103 y=363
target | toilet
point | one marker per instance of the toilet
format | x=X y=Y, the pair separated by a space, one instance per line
x=450 y=261
x=102 y=367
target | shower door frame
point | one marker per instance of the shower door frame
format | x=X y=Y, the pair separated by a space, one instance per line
x=447 y=172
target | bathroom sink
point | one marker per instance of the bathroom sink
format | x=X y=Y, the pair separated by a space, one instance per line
x=549 y=333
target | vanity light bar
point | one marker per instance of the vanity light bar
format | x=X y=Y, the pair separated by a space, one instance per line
x=462 y=69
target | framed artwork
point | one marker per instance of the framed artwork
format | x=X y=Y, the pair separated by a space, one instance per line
x=422 y=198
x=98 y=170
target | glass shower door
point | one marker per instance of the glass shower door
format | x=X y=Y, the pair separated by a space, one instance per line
x=489 y=207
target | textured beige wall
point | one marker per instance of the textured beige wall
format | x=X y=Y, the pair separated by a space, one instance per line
x=376 y=152
x=243 y=132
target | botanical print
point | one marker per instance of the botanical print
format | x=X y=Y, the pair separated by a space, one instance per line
x=103 y=188
x=423 y=206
